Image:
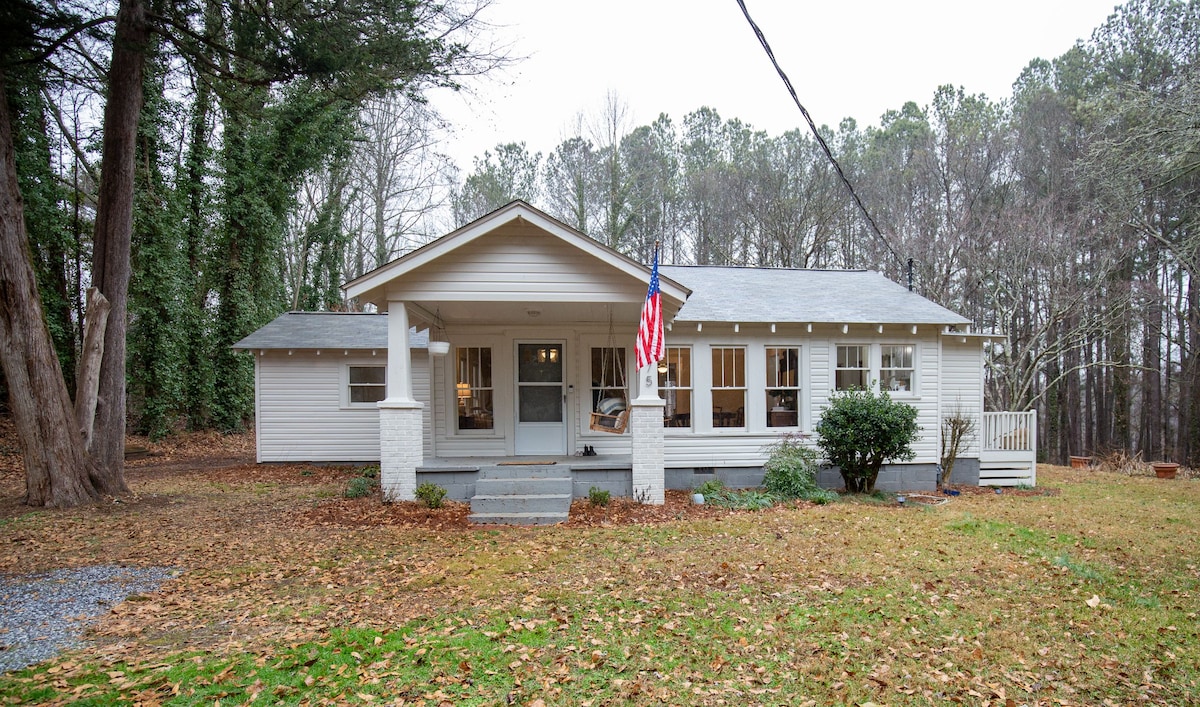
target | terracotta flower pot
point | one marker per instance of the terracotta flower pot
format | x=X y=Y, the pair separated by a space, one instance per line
x=1165 y=470
x=1081 y=462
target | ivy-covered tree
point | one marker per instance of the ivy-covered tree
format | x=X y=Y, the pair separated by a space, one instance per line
x=861 y=430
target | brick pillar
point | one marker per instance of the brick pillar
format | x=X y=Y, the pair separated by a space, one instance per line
x=399 y=449
x=649 y=474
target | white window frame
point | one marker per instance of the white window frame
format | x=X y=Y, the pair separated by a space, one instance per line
x=452 y=379
x=667 y=393
x=875 y=371
x=346 y=399
x=797 y=389
x=911 y=392
x=743 y=387
x=590 y=390
x=866 y=367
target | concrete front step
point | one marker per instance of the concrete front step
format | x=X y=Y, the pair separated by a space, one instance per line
x=517 y=518
x=522 y=494
x=522 y=486
x=523 y=471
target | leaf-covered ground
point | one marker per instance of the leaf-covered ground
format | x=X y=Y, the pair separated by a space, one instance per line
x=1082 y=592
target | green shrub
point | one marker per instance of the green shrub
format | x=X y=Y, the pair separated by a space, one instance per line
x=370 y=472
x=359 y=487
x=712 y=487
x=861 y=430
x=791 y=472
x=431 y=494
x=598 y=496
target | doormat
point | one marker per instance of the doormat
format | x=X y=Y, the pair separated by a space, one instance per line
x=545 y=463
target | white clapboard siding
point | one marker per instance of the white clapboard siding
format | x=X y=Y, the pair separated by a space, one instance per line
x=717 y=450
x=962 y=385
x=519 y=263
x=300 y=415
x=421 y=392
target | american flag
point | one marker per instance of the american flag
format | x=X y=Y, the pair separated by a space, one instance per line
x=650 y=331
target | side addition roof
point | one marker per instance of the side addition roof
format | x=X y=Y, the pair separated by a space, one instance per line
x=353 y=331
x=772 y=295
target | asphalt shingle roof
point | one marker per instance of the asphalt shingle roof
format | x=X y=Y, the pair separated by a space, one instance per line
x=326 y=330
x=775 y=295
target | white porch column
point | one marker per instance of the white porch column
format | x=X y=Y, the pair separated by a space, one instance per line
x=646 y=419
x=400 y=432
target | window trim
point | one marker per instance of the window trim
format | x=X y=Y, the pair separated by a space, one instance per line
x=875 y=368
x=690 y=389
x=345 y=398
x=452 y=422
x=798 y=387
x=744 y=388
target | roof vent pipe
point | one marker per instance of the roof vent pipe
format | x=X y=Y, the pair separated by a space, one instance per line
x=910 y=278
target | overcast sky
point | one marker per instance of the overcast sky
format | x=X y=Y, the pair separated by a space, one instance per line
x=845 y=59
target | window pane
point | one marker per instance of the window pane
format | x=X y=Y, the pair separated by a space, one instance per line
x=897 y=356
x=851 y=379
x=368 y=374
x=852 y=364
x=539 y=363
x=674 y=381
x=783 y=391
x=472 y=387
x=367 y=393
x=729 y=408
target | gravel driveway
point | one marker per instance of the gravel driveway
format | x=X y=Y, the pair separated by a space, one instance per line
x=43 y=614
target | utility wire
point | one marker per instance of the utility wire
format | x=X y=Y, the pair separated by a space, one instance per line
x=828 y=153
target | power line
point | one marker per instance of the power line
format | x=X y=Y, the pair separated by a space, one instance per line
x=825 y=147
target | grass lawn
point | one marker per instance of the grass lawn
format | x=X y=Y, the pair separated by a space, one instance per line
x=1087 y=595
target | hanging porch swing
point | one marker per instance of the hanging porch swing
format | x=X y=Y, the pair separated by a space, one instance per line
x=610 y=414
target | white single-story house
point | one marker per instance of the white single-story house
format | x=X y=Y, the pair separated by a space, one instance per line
x=540 y=322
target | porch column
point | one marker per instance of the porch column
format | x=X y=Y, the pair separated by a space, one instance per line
x=646 y=419
x=400 y=431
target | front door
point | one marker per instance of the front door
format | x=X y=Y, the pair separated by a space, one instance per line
x=541 y=399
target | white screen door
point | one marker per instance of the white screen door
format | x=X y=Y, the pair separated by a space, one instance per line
x=541 y=418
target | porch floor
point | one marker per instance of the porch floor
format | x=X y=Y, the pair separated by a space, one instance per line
x=569 y=463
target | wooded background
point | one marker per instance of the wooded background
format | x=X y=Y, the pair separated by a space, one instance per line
x=1063 y=216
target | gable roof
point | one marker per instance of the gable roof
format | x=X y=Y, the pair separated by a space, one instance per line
x=370 y=287
x=353 y=331
x=774 y=295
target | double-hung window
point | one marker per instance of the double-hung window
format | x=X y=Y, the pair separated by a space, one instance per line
x=729 y=386
x=675 y=386
x=783 y=386
x=853 y=367
x=896 y=367
x=608 y=375
x=473 y=387
x=366 y=385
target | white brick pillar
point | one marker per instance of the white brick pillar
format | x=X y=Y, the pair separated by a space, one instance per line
x=399 y=449
x=646 y=420
x=400 y=430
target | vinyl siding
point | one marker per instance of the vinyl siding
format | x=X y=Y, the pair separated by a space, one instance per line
x=962 y=371
x=520 y=263
x=300 y=411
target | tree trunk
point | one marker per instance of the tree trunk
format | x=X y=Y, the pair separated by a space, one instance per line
x=89 y=364
x=113 y=234
x=56 y=467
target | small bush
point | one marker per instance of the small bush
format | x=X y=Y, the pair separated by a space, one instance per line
x=861 y=430
x=598 y=496
x=712 y=487
x=791 y=472
x=431 y=494
x=359 y=487
x=369 y=472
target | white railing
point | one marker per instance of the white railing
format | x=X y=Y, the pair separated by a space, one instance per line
x=1008 y=449
x=1009 y=431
